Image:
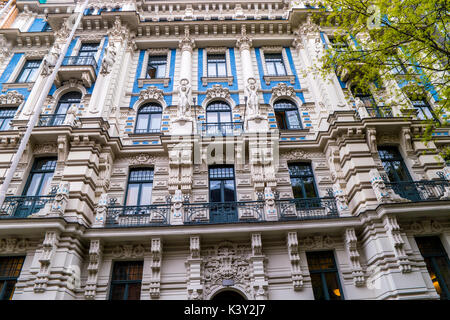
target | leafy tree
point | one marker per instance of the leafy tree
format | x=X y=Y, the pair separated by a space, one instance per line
x=381 y=41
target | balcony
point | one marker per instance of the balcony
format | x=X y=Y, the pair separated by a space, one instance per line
x=307 y=209
x=220 y=129
x=81 y=68
x=425 y=190
x=52 y=120
x=379 y=112
x=223 y=212
x=220 y=212
x=127 y=216
x=23 y=206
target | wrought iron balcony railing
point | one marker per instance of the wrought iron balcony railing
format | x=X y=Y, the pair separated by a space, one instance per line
x=23 y=206
x=51 y=120
x=416 y=191
x=379 y=112
x=306 y=209
x=127 y=216
x=80 y=61
x=220 y=129
x=223 y=212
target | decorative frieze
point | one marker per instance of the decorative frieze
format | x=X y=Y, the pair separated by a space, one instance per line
x=294 y=257
x=152 y=93
x=11 y=98
x=128 y=251
x=14 y=245
x=353 y=254
x=95 y=256
x=283 y=90
x=217 y=91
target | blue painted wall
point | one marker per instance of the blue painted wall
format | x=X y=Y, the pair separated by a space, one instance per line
x=7 y=73
x=168 y=89
x=296 y=85
x=202 y=88
x=37 y=26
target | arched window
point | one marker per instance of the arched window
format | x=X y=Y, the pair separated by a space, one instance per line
x=287 y=115
x=218 y=119
x=63 y=105
x=149 y=118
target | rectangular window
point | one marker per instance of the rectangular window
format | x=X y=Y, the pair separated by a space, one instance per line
x=222 y=190
x=438 y=264
x=10 y=268
x=393 y=164
x=302 y=180
x=156 y=67
x=324 y=276
x=29 y=71
x=88 y=49
x=275 y=64
x=339 y=45
x=140 y=184
x=217 y=66
x=126 y=280
x=6 y=115
x=424 y=111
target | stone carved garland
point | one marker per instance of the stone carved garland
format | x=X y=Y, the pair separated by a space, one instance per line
x=283 y=90
x=226 y=261
x=128 y=251
x=217 y=91
x=151 y=93
x=11 y=98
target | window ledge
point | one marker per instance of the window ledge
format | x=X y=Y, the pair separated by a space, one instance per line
x=164 y=81
x=14 y=85
x=206 y=80
x=268 y=78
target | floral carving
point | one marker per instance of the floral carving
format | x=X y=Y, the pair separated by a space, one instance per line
x=11 y=98
x=282 y=90
x=151 y=93
x=217 y=91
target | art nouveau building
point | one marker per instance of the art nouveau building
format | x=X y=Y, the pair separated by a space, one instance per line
x=188 y=151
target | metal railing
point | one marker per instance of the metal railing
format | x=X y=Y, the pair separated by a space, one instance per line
x=425 y=190
x=220 y=129
x=307 y=209
x=379 y=112
x=80 y=61
x=23 y=206
x=223 y=212
x=126 y=216
x=51 y=120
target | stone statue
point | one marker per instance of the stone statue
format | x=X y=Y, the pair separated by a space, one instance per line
x=361 y=108
x=184 y=105
x=109 y=59
x=71 y=115
x=50 y=60
x=252 y=98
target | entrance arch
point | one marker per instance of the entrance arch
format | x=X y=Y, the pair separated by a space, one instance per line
x=228 y=295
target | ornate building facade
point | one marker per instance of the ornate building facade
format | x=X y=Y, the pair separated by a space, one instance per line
x=188 y=151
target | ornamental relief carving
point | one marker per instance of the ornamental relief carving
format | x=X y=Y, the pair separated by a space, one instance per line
x=316 y=242
x=127 y=251
x=282 y=90
x=300 y=155
x=12 y=245
x=217 y=91
x=11 y=98
x=151 y=93
x=142 y=158
x=45 y=148
x=226 y=261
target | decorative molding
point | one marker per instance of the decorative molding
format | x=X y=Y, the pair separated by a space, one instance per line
x=95 y=258
x=294 y=257
x=317 y=242
x=151 y=93
x=259 y=282
x=49 y=247
x=193 y=267
x=396 y=239
x=282 y=90
x=244 y=42
x=155 y=281
x=383 y=193
x=353 y=255
x=45 y=148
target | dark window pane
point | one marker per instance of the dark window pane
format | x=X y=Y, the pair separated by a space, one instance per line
x=134 y=291
x=118 y=292
x=229 y=190
x=214 y=191
x=10 y=268
x=334 y=291
x=126 y=280
x=316 y=282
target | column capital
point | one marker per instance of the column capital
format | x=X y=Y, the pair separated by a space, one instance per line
x=244 y=42
x=187 y=43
